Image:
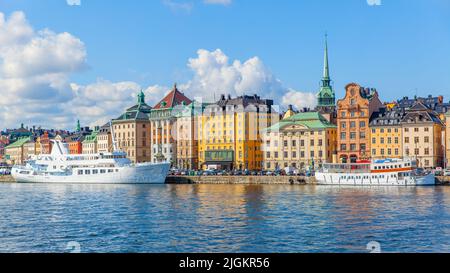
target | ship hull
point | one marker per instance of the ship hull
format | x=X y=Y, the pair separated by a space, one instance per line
x=365 y=179
x=146 y=173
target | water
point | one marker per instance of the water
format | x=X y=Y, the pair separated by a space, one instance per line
x=222 y=218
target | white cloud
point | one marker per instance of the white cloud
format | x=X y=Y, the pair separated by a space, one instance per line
x=34 y=70
x=218 y=2
x=215 y=75
x=299 y=99
x=179 y=5
x=35 y=67
x=374 y=2
x=73 y=2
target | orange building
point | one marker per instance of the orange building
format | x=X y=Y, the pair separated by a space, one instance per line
x=75 y=143
x=354 y=112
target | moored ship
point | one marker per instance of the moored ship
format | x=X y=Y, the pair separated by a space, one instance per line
x=385 y=172
x=102 y=168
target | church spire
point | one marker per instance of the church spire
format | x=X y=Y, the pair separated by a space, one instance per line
x=78 y=126
x=326 y=96
x=326 y=71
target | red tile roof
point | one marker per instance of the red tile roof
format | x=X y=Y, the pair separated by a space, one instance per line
x=172 y=99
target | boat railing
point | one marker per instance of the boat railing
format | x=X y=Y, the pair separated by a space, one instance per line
x=346 y=168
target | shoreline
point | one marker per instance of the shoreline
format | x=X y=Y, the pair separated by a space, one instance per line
x=243 y=180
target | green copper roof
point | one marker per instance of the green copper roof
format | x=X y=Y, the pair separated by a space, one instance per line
x=19 y=143
x=311 y=120
x=326 y=96
x=91 y=138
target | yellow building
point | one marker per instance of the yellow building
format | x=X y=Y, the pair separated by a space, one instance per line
x=386 y=135
x=230 y=132
x=302 y=141
x=422 y=136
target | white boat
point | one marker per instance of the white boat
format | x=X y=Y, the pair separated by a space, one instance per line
x=386 y=172
x=102 y=168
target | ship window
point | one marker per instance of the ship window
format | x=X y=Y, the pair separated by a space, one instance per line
x=94 y=171
x=87 y=172
x=110 y=171
x=117 y=170
x=80 y=172
x=102 y=171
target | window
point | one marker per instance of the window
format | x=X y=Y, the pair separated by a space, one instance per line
x=312 y=142
x=362 y=135
x=353 y=147
x=294 y=143
x=416 y=130
x=343 y=125
x=427 y=139
x=343 y=135
x=427 y=151
x=352 y=135
x=416 y=139
x=406 y=139
x=294 y=154
x=362 y=147
x=374 y=151
x=362 y=124
x=343 y=147
x=285 y=154
x=285 y=143
x=352 y=124
x=374 y=140
x=382 y=140
x=343 y=114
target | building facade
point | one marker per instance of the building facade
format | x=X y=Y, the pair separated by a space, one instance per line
x=447 y=139
x=386 y=134
x=163 y=118
x=187 y=136
x=104 y=139
x=303 y=141
x=15 y=153
x=231 y=132
x=422 y=136
x=131 y=131
x=353 y=116
x=89 y=144
x=326 y=98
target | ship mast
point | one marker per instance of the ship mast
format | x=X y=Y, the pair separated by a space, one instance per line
x=114 y=143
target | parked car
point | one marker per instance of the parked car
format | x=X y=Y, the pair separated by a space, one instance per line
x=5 y=171
x=446 y=172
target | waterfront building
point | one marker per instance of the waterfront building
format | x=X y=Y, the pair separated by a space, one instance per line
x=104 y=139
x=302 y=141
x=436 y=104
x=29 y=149
x=447 y=139
x=187 y=136
x=353 y=116
x=131 y=131
x=15 y=134
x=75 y=139
x=15 y=152
x=75 y=142
x=422 y=136
x=163 y=117
x=4 y=141
x=43 y=144
x=230 y=132
x=89 y=144
x=326 y=98
x=386 y=134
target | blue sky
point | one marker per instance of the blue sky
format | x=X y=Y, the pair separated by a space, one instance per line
x=400 y=47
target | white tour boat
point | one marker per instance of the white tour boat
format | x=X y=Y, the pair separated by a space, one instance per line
x=386 y=172
x=101 y=168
